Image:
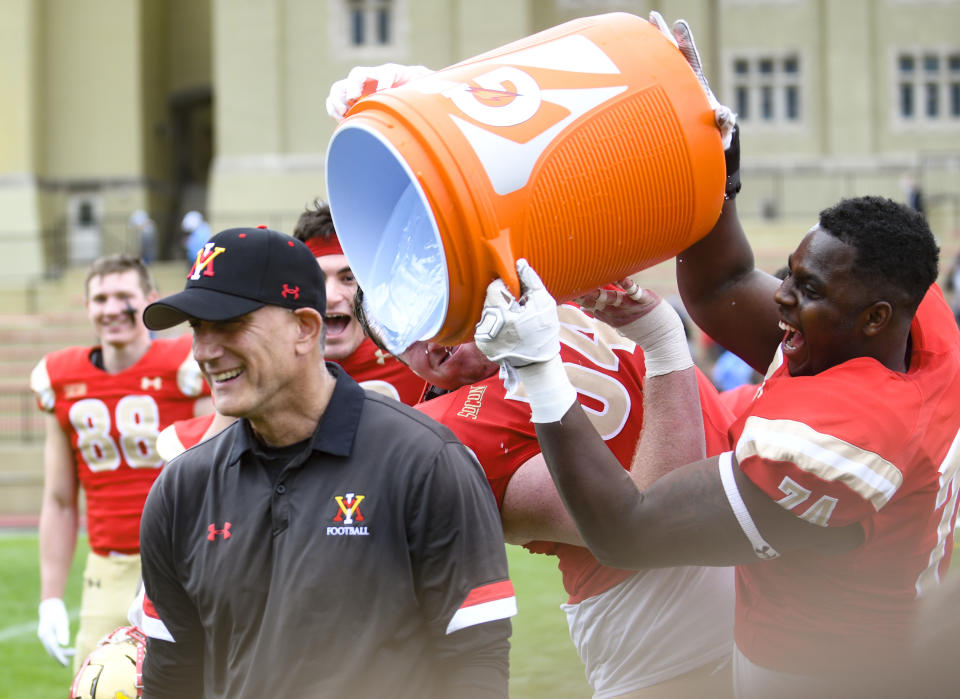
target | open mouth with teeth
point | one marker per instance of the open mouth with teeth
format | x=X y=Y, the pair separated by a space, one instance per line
x=337 y=323
x=447 y=353
x=792 y=338
x=225 y=375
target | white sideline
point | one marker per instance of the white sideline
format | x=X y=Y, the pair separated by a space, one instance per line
x=28 y=628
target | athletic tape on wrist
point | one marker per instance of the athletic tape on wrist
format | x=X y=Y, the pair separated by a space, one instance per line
x=548 y=389
x=661 y=336
x=760 y=546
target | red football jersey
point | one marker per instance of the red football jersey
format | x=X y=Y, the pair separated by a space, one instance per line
x=739 y=398
x=854 y=443
x=607 y=370
x=380 y=371
x=182 y=434
x=113 y=421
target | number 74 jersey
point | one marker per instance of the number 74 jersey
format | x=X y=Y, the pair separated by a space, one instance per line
x=112 y=421
x=859 y=444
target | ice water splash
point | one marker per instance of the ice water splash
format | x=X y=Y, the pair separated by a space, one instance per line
x=407 y=283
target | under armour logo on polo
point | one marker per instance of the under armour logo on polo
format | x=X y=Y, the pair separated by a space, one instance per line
x=381 y=357
x=290 y=291
x=213 y=531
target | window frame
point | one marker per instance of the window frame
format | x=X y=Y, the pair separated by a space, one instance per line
x=945 y=81
x=774 y=87
x=344 y=29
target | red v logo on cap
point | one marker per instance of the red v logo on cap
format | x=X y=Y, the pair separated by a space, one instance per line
x=204 y=262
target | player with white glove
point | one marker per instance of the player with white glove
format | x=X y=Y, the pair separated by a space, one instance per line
x=365 y=80
x=681 y=36
x=522 y=336
x=53 y=629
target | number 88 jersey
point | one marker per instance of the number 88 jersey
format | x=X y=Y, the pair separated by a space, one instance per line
x=112 y=421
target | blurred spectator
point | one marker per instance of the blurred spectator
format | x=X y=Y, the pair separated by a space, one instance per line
x=729 y=372
x=913 y=193
x=146 y=231
x=198 y=231
x=953 y=287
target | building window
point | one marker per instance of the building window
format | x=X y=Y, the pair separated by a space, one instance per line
x=766 y=88
x=928 y=85
x=371 y=22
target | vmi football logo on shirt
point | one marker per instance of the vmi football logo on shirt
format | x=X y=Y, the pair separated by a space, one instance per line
x=348 y=516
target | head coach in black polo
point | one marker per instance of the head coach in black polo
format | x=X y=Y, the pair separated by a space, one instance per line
x=331 y=542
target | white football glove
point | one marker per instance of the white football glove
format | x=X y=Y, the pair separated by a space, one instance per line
x=524 y=337
x=365 y=80
x=682 y=38
x=53 y=629
x=519 y=332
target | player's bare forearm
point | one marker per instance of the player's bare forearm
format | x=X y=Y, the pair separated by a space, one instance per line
x=682 y=519
x=715 y=262
x=532 y=509
x=687 y=520
x=59 y=514
x=591 y=482
x=672 y=426
x=57 y=540
x=726 y=295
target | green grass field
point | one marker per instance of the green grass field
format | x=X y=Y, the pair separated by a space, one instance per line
x=543 y=661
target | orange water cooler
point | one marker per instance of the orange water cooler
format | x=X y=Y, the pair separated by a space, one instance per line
x=589 y=149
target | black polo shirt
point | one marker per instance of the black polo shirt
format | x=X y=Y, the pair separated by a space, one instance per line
x=345 y=573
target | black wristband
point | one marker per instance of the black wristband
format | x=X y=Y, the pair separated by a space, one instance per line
x=731 y=158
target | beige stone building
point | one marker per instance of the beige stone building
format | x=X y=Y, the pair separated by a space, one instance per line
x=218 y=105
x=108 y=106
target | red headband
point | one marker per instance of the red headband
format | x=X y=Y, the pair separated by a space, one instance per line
x=321 y=246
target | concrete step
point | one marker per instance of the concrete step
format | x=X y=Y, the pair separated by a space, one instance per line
x=25 y=339
x=21 y=479
x=66 y=292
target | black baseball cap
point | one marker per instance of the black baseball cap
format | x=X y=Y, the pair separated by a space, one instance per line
x=238 y=271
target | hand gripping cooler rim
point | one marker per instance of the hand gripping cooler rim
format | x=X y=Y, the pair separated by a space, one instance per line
x=456 y=207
